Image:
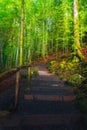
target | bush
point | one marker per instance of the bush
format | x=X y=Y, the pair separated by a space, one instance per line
x=75 y=79
x=34 y=72
x=52 y=66
x=57 y=70
x=85 y=88
x=85 y=72
x=62 y=65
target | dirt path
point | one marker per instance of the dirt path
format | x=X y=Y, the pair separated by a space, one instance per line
x=46 y=103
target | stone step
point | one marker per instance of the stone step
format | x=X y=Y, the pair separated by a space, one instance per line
x=47 y=82
x=50 y=97
x=46 y=79
x=50 y=92
x=34 y=120
x=52 y=87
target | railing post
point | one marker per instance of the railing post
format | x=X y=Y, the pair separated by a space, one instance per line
x=17 y=88
x=29 y=71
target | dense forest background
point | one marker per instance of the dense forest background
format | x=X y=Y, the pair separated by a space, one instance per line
x=45 y=31
x=36 y=28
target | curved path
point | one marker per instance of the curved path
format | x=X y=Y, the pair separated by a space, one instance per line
x=46 y=103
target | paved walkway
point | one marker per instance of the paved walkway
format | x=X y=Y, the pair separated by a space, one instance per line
x=46 y=103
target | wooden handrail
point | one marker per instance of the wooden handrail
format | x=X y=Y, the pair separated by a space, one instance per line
x=15 y=71
x=9 y=73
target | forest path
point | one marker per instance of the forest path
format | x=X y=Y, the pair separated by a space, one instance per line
x=49 y=104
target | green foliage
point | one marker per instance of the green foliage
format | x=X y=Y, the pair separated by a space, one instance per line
x=62 y=64
x=48 y=28
x=85 y=72
x=64 y=67
x=34 y=72
x=75 y=79
x=75 y=59
x=52 y=66
x=75 y=47
x=85 y=88
x=70 y=66
x=82 y=105
x=83 y=66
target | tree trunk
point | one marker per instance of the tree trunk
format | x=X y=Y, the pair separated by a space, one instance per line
x=21 y=48
x=76 y=31
x=17 y=50
x=21 y=32
x=17 y=88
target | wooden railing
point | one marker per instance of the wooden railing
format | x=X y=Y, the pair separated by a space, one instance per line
x=10 y=73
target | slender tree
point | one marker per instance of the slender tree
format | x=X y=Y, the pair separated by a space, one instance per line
x=22 y=32
x=21 y=53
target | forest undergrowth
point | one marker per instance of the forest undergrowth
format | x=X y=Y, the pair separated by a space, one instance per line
x=74 y=73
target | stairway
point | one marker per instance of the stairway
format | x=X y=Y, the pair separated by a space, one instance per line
x=49 y=105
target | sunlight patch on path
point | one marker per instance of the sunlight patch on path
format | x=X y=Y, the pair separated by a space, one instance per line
x=55 y=85
x=43 y=73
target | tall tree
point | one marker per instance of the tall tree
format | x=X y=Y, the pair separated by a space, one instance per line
x=22 y=32
x=76 y=31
